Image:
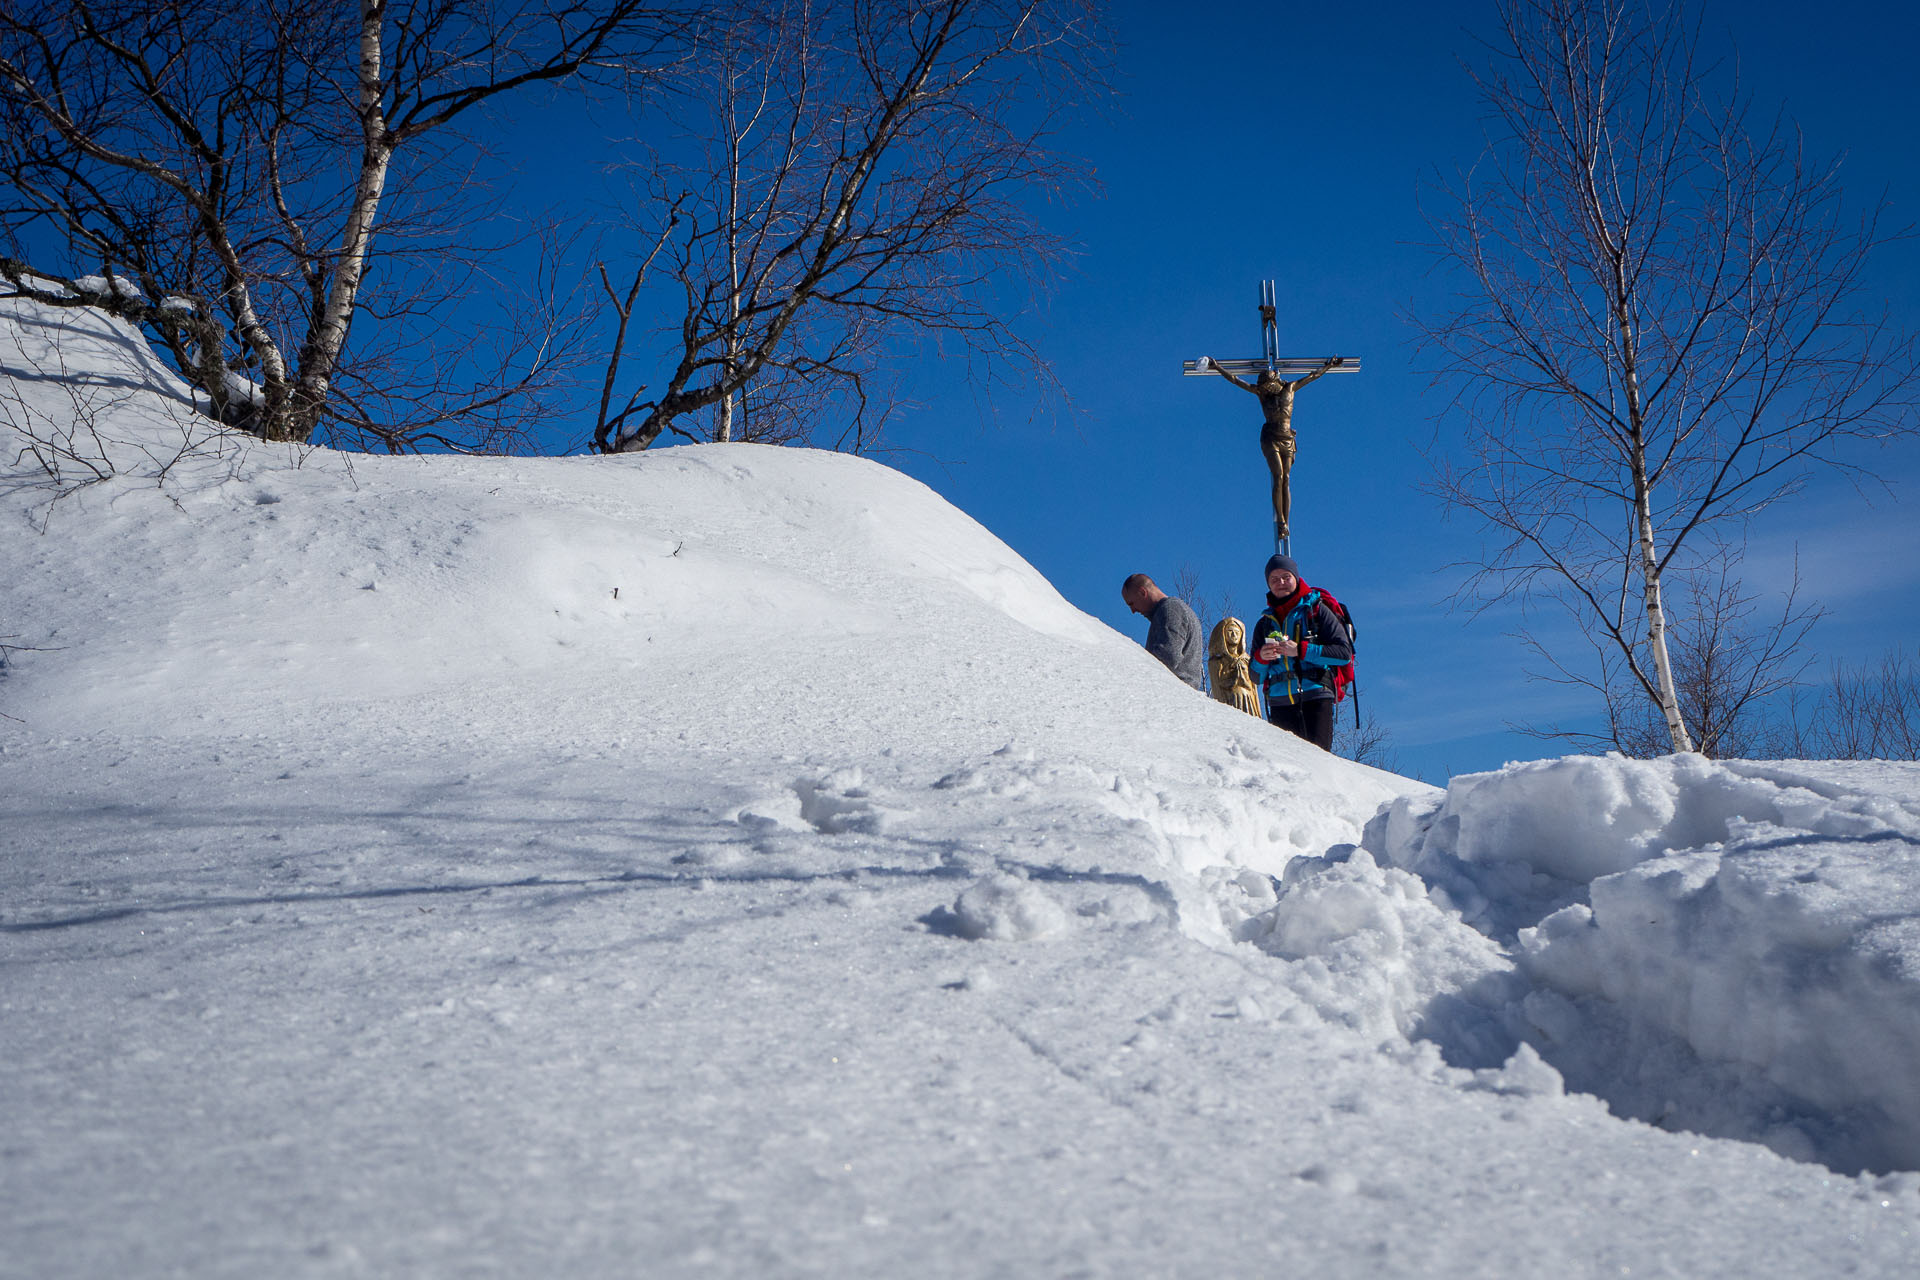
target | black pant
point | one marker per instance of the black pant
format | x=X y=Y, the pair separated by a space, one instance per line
x=1312 y=720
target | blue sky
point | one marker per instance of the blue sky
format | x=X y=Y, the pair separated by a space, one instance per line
x=1260 y=141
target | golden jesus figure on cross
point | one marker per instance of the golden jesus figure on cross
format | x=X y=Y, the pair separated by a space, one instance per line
x=1274 y=379
x=1276 y=432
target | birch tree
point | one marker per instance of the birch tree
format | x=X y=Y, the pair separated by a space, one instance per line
x=1662 y=327
x=227 y=168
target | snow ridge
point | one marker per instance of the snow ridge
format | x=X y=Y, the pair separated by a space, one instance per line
x=738 y=858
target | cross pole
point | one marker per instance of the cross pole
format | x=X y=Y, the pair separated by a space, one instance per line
x=1275 y=379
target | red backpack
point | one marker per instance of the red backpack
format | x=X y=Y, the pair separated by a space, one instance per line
x=1342 y=675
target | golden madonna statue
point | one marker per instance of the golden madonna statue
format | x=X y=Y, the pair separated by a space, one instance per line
x=1227 y=672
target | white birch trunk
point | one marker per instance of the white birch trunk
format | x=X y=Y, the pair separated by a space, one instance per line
x=725 y=428
x=1657 y=629
x=322 y=354
x=1667 y=696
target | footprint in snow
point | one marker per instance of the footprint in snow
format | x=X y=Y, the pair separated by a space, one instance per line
x=833 y=804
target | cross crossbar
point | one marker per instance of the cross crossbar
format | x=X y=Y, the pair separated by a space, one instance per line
x=1285 y=365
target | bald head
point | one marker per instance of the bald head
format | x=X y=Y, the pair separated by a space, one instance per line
x=1141 y=595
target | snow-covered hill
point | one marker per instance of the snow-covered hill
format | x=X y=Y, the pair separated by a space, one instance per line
x=735 y=861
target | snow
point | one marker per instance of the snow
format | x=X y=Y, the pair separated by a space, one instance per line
x=111 y=286
x=735 y=861
x=1729 y=947
x=242 y=390
x=1009 y=908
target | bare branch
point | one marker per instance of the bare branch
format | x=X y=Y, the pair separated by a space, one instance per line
x=860 y=174
x=1662 y=331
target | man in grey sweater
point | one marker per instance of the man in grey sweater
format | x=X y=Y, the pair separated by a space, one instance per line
x=1173 y=633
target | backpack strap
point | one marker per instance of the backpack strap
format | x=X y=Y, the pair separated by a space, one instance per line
x=1308 y=603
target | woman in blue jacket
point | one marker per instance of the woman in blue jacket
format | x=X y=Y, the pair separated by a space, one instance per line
x=1295 y=643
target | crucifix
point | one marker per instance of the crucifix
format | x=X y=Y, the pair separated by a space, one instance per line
x=1275 y=379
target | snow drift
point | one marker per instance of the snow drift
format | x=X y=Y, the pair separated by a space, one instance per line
x=738 y=858
x=1729 y=947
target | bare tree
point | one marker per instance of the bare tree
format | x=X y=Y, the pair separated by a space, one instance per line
x=1362 y=739
x=849 y=172
x=1866 y=712
x=1728 y=672
x=238 y=164
x=1661 y=332
x=1185 y=588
